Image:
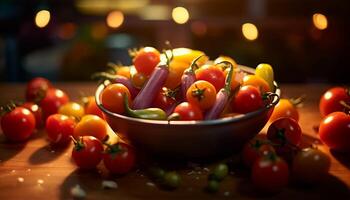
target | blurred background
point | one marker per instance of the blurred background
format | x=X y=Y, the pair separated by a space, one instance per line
x=305 y=41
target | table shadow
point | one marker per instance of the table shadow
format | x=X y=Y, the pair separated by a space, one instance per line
x=342 y=157
x=330 y=188
x=9 y=149
x=46 y=154
x=86 y=179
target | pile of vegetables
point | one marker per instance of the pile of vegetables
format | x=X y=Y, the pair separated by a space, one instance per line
x=182 y=84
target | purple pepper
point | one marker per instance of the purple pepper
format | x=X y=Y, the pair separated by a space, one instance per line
x=189 y=77
x=114 y=78
x=222 y=97
x=151 y=88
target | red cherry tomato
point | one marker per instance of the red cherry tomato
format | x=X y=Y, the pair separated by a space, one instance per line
x=270 y=174
x=285 y=134
x=188 y=111
x=119 y=158
x=213 y=74
x=254 y=149
x=18 y=124
x=37 y=112
x=330 y=101
x=112 y=97
x=247 y=99
x=59 y=128
x=36 y=88
x=310 y=165
x=53 y=99
x=87 y=152
x=165 y=99
x=201 y=93
x=284 y=131
x=146 y=60
x=91 y=107
x=334 y=131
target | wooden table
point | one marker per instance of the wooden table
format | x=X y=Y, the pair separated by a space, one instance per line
x=49 y=173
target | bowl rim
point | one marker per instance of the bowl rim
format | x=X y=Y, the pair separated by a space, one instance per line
x=225 y=120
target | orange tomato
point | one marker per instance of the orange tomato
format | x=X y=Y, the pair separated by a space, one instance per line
x=112 y=97
x=258 y=82
x=72 y=109
x=91 y=107
x=201 y=93
x=91 y=125
x=124 y=71
x=284 y=108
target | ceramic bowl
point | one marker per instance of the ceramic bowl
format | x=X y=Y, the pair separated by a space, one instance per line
x=190 y=139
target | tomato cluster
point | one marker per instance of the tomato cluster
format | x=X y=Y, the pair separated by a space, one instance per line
x=334 y=129
x=183 y=85
x=277 y=158
x=64 y=121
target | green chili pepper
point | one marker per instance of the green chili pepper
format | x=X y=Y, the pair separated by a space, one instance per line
x=148 y=113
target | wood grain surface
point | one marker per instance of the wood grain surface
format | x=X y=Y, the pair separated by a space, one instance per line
x=35 y=170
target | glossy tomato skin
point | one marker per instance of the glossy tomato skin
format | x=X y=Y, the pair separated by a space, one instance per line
x=201 y=93
x=112 y=97
x=213 y=74
x=258 y=82
x=164 y=100
x=334 y=131
x=18 y=125
x=285 y=133
x=37 y=87
x=91 y=107
x=59 y=129
x=270 y=175
x=310 y=166
x=247 y=99
x=119 y=159
x=91 y=125
x=53 y=99
x=284 y=108
x=330 y=100
x=87 y=153
x=146 y=60
x=37 y=112
x=188 y=111
x=254 y=149
x=72 y=109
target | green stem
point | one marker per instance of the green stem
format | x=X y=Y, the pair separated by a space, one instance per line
x=228 y=79
x=194 y=65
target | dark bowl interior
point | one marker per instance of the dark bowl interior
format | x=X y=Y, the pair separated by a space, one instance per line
x=189 y=139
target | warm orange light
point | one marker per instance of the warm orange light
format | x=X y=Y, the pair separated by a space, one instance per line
x=250 y=31
x=42 y=18
x=320 y=21
x=115 y=19
x=180 y=15
x=67 y=31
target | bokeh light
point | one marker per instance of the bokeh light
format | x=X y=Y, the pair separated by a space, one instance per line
x=250 y=31
x=42 y=18
x=115 y=19
x=180 y=15
x=320 y=21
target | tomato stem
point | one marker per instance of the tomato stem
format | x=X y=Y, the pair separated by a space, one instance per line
x=198 y=93
x=346 y=106
x=298 y=101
